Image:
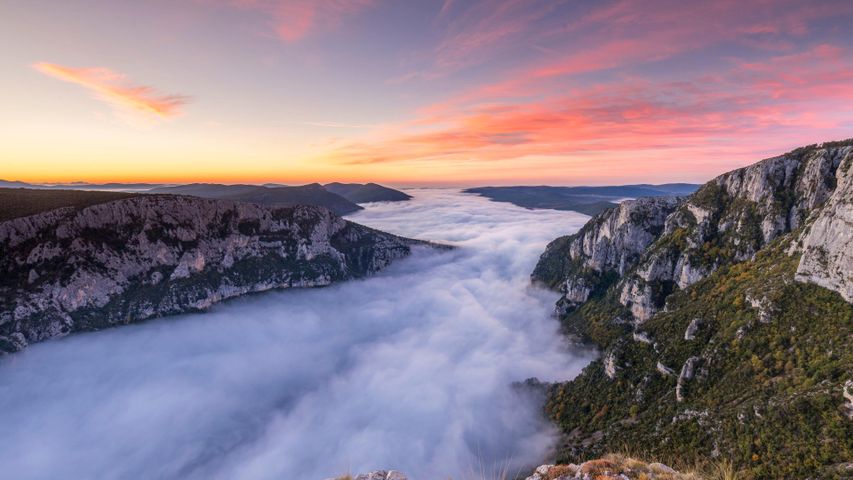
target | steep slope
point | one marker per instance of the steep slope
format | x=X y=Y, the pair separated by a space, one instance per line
x=366 y=192
x=711 y=348
x=312 y=194
x=71 y=269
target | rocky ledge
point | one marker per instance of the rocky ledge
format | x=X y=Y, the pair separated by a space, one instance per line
x=68 y=269
x=611 y=467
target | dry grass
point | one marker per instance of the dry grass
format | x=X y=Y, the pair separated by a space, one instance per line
x=611 y=466
x=558 y=471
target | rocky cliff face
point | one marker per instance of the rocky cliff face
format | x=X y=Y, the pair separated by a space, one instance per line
x=608 y=246
x=67 y=270
x=730 y=334
x=666 y=245
x=827 y=244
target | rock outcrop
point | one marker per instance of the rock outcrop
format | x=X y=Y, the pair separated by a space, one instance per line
x=609 y=245
x=69 y=269
x=704 y=333
x=657 y=245
x=609 y=467
x=827 y=244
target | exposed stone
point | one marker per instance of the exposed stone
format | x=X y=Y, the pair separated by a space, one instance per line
x=641 y=337
x=763 y=306
x=726 y=210
x=664 y=369
x=687 y=371
x=148 y=256
x=610 y=366
x=827 y=243
x=690 y=333
x=609 y=244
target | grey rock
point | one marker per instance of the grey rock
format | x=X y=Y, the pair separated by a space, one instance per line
x=847 y=393
x=149 y=256
x=687 y=372
x=609 y=244
x=827 y=243
x=664 y=369
x=641 y=337
x=744 y=210
x=690 y=333
x=610 y=364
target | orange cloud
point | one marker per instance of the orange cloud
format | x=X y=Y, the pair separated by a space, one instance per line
x=113 y=88
x=778 y=100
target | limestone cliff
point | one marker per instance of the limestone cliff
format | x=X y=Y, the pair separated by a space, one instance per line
x=123 y=261
x=655 y=246
x=609 y=245
x=827 y=244
x=730 y=334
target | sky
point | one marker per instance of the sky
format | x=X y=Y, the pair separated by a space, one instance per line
x=416 y=93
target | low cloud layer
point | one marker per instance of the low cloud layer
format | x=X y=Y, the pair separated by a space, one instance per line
x=113 y=88
x=409 y=370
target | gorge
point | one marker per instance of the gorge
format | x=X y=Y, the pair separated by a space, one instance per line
x=410 y=369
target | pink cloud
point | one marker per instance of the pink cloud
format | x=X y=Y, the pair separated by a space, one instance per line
x=800 y=97
x=113 y=88
x=293 y=20
x=474 y=32
x=626 y=34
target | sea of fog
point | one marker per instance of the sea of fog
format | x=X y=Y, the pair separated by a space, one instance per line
x=411 y=369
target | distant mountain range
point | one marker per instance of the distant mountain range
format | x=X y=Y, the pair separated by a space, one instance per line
x=341 y=198
x=80 y=186
x=587 y=200
x=311 y=194
x=366 y=192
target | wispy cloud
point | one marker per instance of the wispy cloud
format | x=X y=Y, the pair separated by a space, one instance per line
x=113 y=88
x=475 y=32
x=293 y=20
x=786 y=98
x=340 y=124
x=620 y=82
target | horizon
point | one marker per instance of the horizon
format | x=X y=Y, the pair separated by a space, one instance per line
x=403 y=185
x=443 y=93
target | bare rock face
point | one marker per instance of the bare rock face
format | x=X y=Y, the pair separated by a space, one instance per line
x=651 y=247
x=827 y=244
x=732 y=217
x=68 y=270
x=608 y=245
x=687 y=372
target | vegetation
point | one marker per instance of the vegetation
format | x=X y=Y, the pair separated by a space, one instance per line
x=21 y=202
x=771 y=358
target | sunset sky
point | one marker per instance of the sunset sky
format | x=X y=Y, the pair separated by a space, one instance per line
x=409 y=92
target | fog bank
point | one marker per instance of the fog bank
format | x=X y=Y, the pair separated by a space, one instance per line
x=407 y=370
